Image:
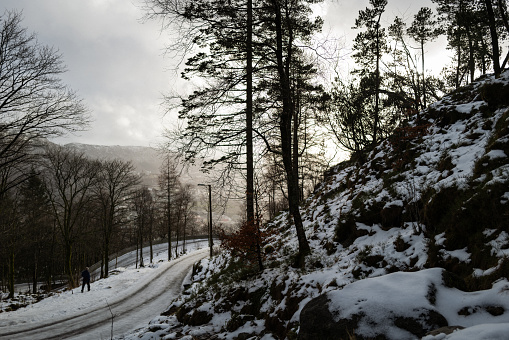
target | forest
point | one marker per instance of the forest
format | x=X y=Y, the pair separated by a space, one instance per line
x=260 y=119
x=61 y=211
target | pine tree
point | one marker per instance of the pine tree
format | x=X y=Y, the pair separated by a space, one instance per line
x=424 y=29
x=370 y=45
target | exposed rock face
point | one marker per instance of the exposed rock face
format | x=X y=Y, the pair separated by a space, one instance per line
x=317 y=322
x=396 y=306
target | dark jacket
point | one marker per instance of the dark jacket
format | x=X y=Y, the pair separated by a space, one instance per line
x=85 y=275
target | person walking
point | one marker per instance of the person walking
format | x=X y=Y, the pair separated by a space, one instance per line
x=86 y=279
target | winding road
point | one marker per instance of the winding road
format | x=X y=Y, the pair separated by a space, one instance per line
x=129 y=311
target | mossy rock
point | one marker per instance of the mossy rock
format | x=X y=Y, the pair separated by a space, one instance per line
x=347 y=232
x=495 y=94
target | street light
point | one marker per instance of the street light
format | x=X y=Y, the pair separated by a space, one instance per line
x=210 y=215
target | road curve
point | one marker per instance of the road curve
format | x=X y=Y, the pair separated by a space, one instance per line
x=129 y=312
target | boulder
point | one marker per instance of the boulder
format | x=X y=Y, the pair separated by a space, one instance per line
x=394 y=306
x=317 y=322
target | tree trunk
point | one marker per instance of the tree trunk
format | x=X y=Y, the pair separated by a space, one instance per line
x=34 y=273
x=494 y=38
x=423 y=77
x=503 y=15
x=11 y=275
x=137 y=246
x=168 y=207
x=249 y=117
x=184 y=241
x=286 y=138
x=106 y=256
x=377 y=84
x=68 y=269
x=471 y=61
x=102 y=264
x=141 y=245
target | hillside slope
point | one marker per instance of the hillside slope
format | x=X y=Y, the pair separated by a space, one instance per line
x=410 y=239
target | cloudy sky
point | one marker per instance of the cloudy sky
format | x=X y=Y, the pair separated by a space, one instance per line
x=115 y=60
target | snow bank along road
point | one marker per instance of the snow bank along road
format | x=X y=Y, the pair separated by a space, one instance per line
x=132 y=308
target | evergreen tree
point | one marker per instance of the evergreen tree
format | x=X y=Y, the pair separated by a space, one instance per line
x=215 y=114
x=467 y=24
x=424 y=29
x=369 y=46
x=36 y=211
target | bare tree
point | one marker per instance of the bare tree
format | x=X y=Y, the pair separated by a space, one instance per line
x=143 y=206
x=34 y=104
x=168 y=181
x=116 y=181
x=70 y=176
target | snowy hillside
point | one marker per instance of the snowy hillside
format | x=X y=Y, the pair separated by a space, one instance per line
x=408 y=239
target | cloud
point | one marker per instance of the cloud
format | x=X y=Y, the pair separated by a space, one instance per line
x=114 y=63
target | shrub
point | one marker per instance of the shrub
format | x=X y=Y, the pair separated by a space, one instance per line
x=247 y=242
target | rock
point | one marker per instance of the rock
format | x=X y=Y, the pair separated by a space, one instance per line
x=495 y=310
x=427 y=320
x=317 y=322
x=393 y=312
x=192 y=317
x=444 y=330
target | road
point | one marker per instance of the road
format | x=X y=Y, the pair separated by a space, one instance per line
x=130 y=311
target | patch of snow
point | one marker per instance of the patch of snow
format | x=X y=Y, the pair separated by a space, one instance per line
x=440 y=239
x=494 y=154
x=460 y=254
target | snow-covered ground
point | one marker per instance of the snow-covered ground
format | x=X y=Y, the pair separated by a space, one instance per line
x=126 y=290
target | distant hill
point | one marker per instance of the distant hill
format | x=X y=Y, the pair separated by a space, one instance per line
x=146 y=160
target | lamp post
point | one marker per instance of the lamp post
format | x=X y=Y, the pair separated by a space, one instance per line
x=210 y=216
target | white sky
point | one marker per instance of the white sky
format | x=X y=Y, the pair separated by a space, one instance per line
x=116 y=64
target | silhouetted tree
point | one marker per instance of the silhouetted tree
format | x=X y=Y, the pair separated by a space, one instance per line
x=70 y=177
x=116 y=180
x=34 y=104
x=369 y=47
x=424 y=29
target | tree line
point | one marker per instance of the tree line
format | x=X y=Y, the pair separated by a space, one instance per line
x=60 y=210
x=391 y=80
x=73 y=211
x=263 y=109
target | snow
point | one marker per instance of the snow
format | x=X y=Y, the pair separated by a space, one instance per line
x=494 y=154
x=121 y=282
x=402 y=294
x=460 y=254
x=478 y=332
